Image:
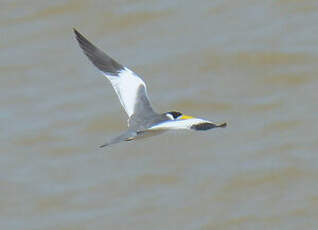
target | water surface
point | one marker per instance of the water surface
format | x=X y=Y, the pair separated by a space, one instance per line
x=252 y=64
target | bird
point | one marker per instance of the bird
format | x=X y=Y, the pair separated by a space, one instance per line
x=131 y=90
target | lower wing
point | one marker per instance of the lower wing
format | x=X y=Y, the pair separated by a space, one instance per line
x=187 y=124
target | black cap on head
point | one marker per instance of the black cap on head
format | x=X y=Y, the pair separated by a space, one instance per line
x=175 y=114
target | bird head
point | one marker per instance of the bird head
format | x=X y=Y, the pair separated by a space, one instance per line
x=173 y=115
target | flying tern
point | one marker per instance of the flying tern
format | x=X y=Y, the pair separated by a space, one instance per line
x=143 y=121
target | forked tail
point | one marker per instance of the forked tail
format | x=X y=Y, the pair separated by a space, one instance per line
x=126 y=136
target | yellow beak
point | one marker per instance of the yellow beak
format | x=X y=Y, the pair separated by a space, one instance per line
x=184 y=117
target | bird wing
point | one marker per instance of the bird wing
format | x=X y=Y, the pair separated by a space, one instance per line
x=177 y=124
x=130 y=88
x=190 y=124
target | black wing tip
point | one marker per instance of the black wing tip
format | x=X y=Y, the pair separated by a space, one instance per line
x=77 y=34
x=79 y=37
x=83 y=42
x=104 y=145
x=206 y=126
x=223 y=125
x=100 y=59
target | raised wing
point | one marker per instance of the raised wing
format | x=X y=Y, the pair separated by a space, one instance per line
x=130 y=88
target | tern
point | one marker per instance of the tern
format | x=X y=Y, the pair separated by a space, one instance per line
x=143 y=121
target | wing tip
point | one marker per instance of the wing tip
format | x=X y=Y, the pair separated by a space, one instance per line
x=82 y=41
x=223 y=125
x=79 y=37
x=99 y=58
x=207 y=125
x=77 y=34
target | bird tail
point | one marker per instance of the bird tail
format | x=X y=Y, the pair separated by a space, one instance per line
x=126 y=136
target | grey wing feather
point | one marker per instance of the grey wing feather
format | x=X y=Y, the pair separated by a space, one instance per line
x=143 y=109
x=100 y=59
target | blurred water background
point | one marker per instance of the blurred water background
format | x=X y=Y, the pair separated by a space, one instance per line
x=250 y=63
